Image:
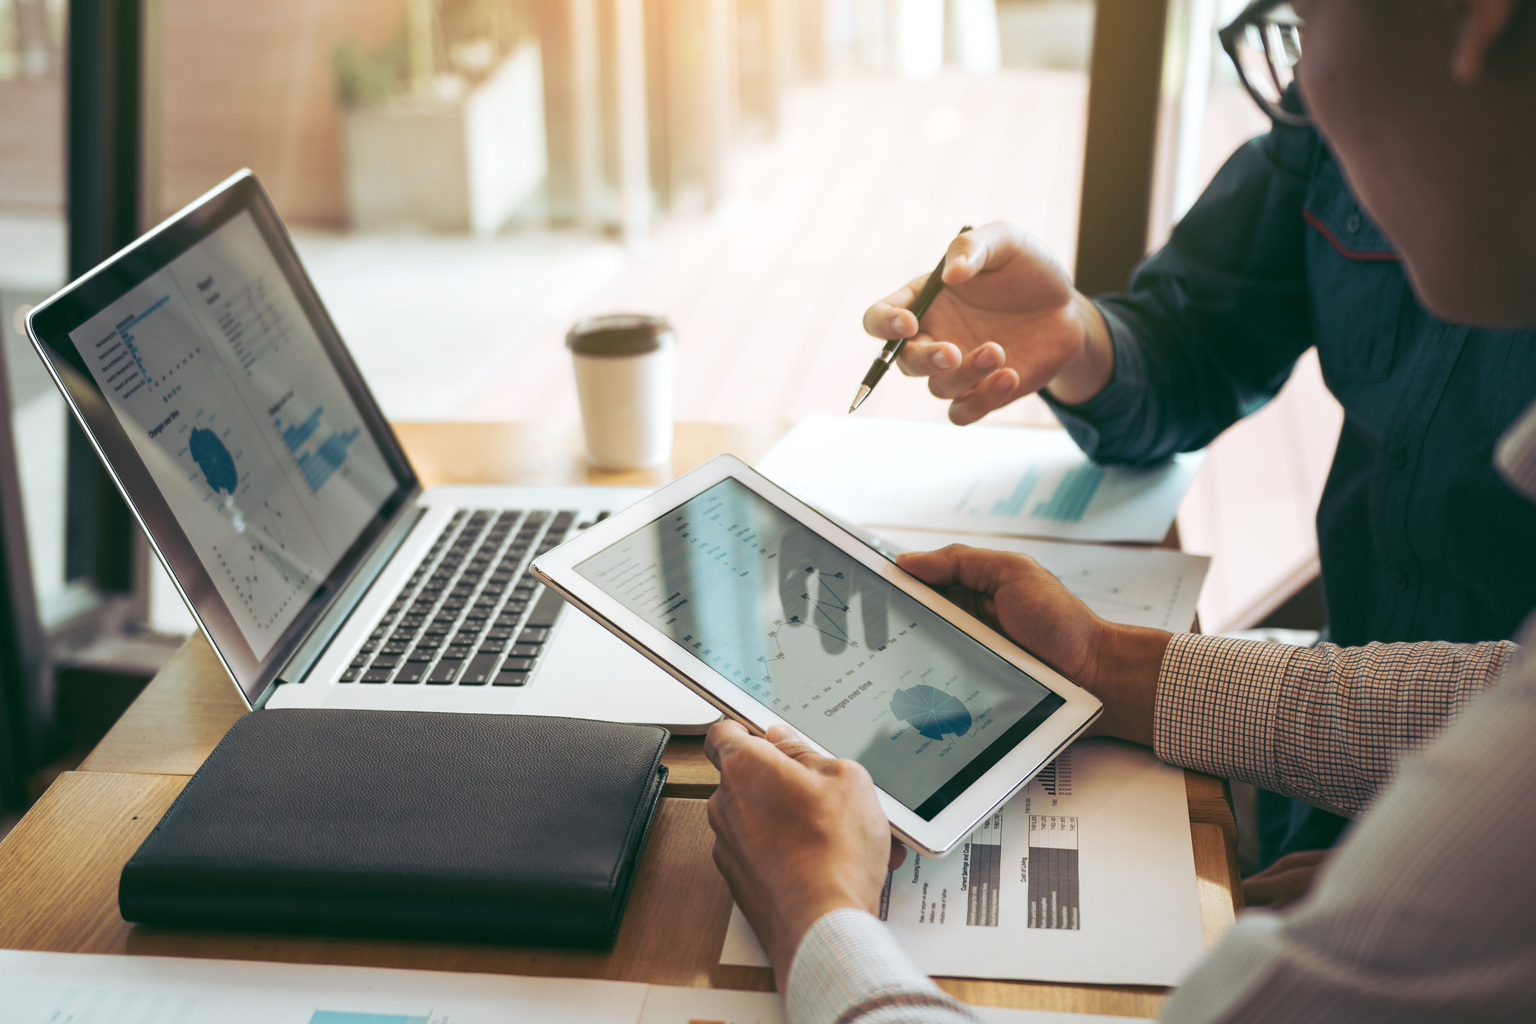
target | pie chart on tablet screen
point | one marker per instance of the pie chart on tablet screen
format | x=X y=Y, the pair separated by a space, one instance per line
x=931 y=711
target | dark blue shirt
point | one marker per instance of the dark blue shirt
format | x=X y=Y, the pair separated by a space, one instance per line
x=1419 y=538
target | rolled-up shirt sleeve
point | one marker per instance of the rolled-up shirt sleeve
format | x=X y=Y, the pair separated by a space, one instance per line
x=1326 y=724
x=850 y=969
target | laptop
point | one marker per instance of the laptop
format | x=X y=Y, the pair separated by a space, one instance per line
x=218 y=393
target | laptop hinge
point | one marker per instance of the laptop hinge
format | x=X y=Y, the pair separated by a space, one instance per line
x=346 y=601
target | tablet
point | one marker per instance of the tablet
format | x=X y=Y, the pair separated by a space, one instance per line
x=775 y=614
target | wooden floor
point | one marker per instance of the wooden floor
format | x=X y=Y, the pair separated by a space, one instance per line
x=869 y=181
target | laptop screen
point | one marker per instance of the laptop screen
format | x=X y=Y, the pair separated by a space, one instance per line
x=221 y=397
x=222 y=386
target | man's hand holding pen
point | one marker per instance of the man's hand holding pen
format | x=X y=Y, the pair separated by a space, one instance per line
x=1007 y=324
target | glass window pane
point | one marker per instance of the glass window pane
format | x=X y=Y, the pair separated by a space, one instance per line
x=466 y=178
x=32 y=265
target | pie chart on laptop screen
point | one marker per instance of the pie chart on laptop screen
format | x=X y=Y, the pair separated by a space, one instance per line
x=931 y=711
x=214 y=460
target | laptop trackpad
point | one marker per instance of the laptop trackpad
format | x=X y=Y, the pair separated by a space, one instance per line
x=590 y=673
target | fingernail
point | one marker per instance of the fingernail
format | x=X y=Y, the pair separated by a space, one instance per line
x=896 y=325
x=987 y=359
x=943 y=359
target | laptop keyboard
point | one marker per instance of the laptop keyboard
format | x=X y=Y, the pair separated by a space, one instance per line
x=471 y=614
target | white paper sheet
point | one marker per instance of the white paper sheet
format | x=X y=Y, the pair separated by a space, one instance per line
x=667 y=1005
x=71 y=988
x=1012 y=481
x=62 y=988
x=1087 y=876
x=1139 y=586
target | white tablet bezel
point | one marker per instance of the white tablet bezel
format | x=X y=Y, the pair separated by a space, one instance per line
x=557 y=569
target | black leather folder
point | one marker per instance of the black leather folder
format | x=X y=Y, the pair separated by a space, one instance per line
x=508 y=828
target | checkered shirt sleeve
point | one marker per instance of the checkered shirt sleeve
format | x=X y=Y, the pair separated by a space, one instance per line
x=1324 y=724
x=849 y=968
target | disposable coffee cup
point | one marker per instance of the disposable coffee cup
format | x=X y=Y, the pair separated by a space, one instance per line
x=623 y=365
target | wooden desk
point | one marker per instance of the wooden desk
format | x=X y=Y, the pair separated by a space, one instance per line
x=59 y=867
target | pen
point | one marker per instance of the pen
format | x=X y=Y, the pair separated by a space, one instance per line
x=887 y=356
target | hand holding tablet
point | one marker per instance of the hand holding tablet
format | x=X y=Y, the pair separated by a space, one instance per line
x=777 y=616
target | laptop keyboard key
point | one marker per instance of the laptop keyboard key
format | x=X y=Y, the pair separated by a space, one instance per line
x=526 y=650
x=534 y=635
x=546 y=610
x=513 y=678
x=445 y=671
x=410 y=673
x=479 y=670
x=376 y=675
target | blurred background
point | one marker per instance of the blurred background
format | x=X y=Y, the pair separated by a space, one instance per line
x=465 y=178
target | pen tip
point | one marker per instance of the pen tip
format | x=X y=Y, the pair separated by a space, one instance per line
x=858 y=399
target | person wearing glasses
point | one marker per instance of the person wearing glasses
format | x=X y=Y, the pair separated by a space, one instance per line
x=1425 y=911
x=1418 y=537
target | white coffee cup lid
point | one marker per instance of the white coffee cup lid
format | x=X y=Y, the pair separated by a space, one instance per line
x=620 y=334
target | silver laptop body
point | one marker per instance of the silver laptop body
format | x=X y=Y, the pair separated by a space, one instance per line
x=204 y=368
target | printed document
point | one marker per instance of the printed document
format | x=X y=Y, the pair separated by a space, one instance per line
x=1012 y=481
x=1086 y=876
x=73 y=988
x=670 y=1005
x=1137 y=586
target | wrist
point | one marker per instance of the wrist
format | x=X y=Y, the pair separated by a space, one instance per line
x=1129 y=661
x=796 y=925
x=1088 y=374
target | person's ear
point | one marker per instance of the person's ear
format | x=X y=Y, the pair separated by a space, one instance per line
x=1482 y=22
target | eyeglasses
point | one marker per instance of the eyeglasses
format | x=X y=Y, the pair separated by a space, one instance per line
x=1265 y=43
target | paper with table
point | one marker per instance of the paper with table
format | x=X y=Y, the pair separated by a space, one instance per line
x=71 y=988
x=1086 y=876
x=1011 y=481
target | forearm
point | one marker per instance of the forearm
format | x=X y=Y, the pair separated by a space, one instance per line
x=849 y=968
x=1213 y=322
x=1423 y=914
x=1326 y=725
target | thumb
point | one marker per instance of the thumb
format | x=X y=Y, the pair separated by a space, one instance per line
x=793 y=745
x=973 y=251
x=977 y=569
x=936 y=568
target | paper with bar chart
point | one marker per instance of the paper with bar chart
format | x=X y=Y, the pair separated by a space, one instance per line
x=1086 y=876
x=1007 y=481
x=218 y=378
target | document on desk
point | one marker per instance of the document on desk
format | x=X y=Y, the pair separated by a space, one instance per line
x=669 y=1005
x=71 y=988
x=1087 y=876
x=1138 y=586
x=74 y=988
x=1012 y=481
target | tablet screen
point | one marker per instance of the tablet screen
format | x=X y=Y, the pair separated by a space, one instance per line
x=835 y=650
